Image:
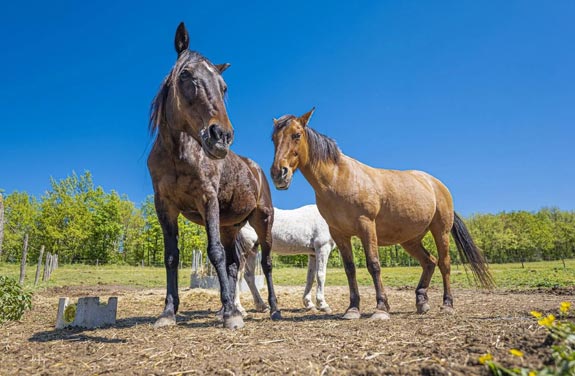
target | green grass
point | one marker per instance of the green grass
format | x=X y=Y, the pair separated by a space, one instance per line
x=507 y=276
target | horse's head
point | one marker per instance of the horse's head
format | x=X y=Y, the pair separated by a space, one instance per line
x=192 y=100
x=291 y=147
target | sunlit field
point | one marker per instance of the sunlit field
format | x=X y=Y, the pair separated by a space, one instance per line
x=507 y=276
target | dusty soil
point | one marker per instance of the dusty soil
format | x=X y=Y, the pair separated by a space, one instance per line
x=302 y=343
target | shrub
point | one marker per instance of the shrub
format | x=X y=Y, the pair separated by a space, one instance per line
x=14 y=301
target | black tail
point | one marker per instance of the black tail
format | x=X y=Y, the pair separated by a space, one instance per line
x=470 y=253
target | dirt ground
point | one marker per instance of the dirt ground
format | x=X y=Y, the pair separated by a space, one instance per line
x=310 y=343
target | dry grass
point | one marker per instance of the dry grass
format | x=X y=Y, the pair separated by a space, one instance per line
x=302 y=343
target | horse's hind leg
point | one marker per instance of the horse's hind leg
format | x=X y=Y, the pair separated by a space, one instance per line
x=427 y=262
x=168 y=218
x=311 y=272
x=250 y=277
x=442 y=243
x=322 y=256
x=237 y=301
x=262 y=220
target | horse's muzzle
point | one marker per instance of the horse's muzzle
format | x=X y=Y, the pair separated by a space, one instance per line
x=216 y=141
x=281 y=178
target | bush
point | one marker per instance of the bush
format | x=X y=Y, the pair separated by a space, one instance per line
x=14 y=301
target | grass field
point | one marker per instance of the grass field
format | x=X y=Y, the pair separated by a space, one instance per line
x=507 y=276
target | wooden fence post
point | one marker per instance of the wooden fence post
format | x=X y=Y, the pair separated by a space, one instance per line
x=46 y=266
x=54 y=263
x=39 y=266
x=23 y=261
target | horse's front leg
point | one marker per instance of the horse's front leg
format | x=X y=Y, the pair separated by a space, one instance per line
x=168 y=218
x=217 y=256
x=344 y=244
x=368 y=237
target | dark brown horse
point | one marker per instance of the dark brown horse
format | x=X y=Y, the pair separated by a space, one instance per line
x=194 y=173
x=381 y=207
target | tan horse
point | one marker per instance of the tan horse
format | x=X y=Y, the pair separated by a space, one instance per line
x=381 y=207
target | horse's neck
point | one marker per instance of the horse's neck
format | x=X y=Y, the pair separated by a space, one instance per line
x=321 y=176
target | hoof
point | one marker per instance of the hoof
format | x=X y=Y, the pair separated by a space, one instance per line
x=447 y=310
x=351 y=314
x=234 y=322
x=310 y=308
x=423 y=308
x=276 y=315
x=325 y=309
x=165 y=321
x=380 y=315
x=262 y=308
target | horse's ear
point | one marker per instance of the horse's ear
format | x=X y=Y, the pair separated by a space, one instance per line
x=222 y=67
x=304 y=119
x=182 y=40
x=275 y=122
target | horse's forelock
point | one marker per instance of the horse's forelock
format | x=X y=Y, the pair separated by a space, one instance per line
x=158 y=106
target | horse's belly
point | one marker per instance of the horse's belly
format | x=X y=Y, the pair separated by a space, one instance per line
x=396 y=229
x=285 y=245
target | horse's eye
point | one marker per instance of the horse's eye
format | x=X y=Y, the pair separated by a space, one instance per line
x=296 y=136
x=185 y=75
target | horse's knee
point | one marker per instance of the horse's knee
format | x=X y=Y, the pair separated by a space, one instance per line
x=349 y=266
x=216 y=254
x=373 y=267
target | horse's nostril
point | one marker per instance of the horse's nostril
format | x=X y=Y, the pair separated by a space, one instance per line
x=229 y=136
x=284 y=172
x=215 y=132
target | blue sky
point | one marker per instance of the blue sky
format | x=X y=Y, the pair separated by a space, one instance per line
x=479 y=94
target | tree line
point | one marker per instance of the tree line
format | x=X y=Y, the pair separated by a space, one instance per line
x=82 y=223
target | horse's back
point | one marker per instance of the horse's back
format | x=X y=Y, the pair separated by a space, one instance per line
x=402 y=203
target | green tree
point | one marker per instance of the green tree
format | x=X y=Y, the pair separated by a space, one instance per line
x=153 y=240
x=21 y=214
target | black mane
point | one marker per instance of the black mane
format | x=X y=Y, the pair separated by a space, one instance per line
x=321 y=147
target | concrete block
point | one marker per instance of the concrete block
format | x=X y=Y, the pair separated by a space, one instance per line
x=89 y=313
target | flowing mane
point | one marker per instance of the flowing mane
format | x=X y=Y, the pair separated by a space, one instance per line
x=158 y=106
x=321 y=147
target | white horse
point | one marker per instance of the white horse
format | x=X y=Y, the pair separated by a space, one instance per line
x=294 y=232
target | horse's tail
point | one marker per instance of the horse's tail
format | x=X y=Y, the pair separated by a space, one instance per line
x=470 y=253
